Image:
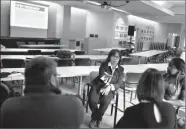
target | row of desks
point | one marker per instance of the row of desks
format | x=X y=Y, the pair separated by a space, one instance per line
x=145 y=54
x=45 y=51
x=50 y=46
x=79 y=71
x=24 y=57
x=22 y=51
x=140 y=54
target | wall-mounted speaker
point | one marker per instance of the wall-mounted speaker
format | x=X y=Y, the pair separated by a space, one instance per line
x=91 y=35
x=131 y=30
x=77 y=43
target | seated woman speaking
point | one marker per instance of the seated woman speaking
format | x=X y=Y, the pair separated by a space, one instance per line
x=175 y=86
x=175 y=82
x=104 y=86
x=151 y=112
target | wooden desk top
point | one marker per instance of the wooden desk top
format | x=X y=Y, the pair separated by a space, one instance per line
x=95 y=57
x=72 y=71
x=42 y=46
x=109 y=49
x=24 y=57
x=149 y=53
x=26 y=50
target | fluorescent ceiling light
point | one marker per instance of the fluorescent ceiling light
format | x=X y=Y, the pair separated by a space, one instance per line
x=116 y=9
x=92 y=2
x=161 y=3
x=44 y=2
x=183 y=1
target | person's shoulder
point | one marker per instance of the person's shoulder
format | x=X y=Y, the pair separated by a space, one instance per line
x=133 y=108
x=11 y=103
x=104 y=64
x=169 y=107
x=70 y=99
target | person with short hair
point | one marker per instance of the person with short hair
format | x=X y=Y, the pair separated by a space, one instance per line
x=151 y=112
x=103 y=88
x=43 y=106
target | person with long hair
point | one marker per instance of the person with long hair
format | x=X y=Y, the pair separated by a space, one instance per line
x=151 y=112
x=104 y=86
x=175 y=82
x=175 y=86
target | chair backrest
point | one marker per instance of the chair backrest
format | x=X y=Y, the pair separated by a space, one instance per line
x=31 y=43
x=64 y=62
x=79 y=52
x=13 y=63
x=34 y=52
x=132 y=79
x=20 y=43
x=93 y=75
x=4 y=93
x=178 y=52
x=146 y=46
x=63 y=54
x=183 y=56
x=124 y=52
x=41 y=43
x=82 y=62
x=181 y=112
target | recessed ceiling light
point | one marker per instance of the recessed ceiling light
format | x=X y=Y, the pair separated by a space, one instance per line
x=92 y=2
x=161 y=3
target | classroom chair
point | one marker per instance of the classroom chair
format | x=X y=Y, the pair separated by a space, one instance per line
x=34 y=52
x=13 y=63
x=82 y=62
x=79 y=52
x=64 y=62
x=130 y=84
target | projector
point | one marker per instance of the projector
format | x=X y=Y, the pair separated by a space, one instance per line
x=105 y=5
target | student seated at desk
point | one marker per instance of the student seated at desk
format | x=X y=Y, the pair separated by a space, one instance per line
x=151 y=112
x=175 y=83
x=42 y=106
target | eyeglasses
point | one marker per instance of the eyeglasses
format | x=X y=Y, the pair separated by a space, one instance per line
x=172 y=67
x=116 y=57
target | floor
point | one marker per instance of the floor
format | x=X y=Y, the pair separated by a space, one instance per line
x=108 y=120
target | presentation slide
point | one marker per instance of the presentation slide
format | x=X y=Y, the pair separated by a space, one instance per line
x=28 y=15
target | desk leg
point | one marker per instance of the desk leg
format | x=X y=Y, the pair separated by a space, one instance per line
x=139 y=58
x=102 y=53
x=79 y=86
x=23 y=88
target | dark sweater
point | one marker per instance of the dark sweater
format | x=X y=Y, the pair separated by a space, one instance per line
x=142 y=116
x=42 y=110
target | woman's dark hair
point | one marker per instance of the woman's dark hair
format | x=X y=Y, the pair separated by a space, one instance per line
x=178 y=63
x=113 y=53
x=151 y=86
